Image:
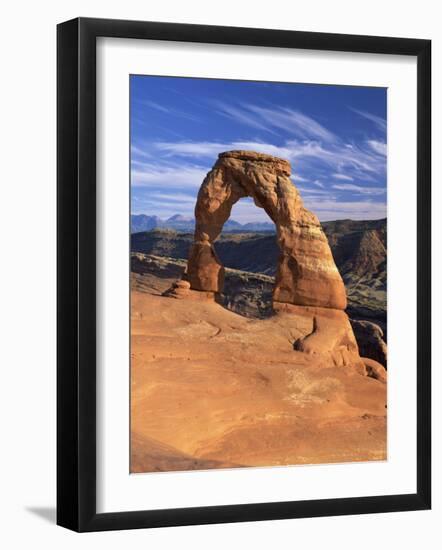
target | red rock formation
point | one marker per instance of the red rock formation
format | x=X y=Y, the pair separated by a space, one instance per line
x=330 y=335
x=204 y=270
x=306 y=273
x=308 y=285
x=375 y=370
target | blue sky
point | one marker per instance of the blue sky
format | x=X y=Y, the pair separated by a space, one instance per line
x=333 y=136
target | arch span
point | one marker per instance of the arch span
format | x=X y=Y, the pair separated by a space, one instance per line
x=306 y=273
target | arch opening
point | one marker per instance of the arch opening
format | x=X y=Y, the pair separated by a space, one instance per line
x=249 y=257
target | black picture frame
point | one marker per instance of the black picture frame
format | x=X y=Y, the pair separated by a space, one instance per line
x=76 y=273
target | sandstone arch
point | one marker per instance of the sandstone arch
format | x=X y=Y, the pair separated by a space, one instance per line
x=306 y=272
x=309 y=292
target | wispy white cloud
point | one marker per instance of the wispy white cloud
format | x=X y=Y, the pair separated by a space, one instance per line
x=173 y=175
x=210 y=150
x=156 y=106
x=378 y=146
x=242 y=116
x=180 y=198
x=318 y=183
x=269 y=119
x=354 y=162
x=139 y=152
x=195 y=149
x=172 y=189
x=169 y=110
x=326 y=169
x=379 y=122
x=329 y=160
x=359 y=189
x=299 y=178
x=309 y=191
x=336 y=156
x=294 y=123
x=344 y=177
x=334 y=209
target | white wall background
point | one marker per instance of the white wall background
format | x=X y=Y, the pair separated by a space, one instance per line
x=27 y=289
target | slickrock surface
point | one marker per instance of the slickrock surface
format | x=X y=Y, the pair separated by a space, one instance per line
x=214 y=389
x=306 y=272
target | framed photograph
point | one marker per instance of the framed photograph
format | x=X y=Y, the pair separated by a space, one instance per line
x=243 y=256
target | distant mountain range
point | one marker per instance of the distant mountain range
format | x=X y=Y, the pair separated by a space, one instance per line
x=143 y=222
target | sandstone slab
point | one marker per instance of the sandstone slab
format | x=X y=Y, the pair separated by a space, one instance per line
x=213 y=389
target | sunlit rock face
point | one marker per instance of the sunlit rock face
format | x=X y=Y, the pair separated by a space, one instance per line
x=306 y=272
x=308 y=287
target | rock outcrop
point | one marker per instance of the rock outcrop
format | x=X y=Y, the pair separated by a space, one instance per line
x=306 y=273
x=375 y=370
x=369 y=337
x=326 y=332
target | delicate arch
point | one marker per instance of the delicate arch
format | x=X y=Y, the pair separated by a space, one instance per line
x=306 y=272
